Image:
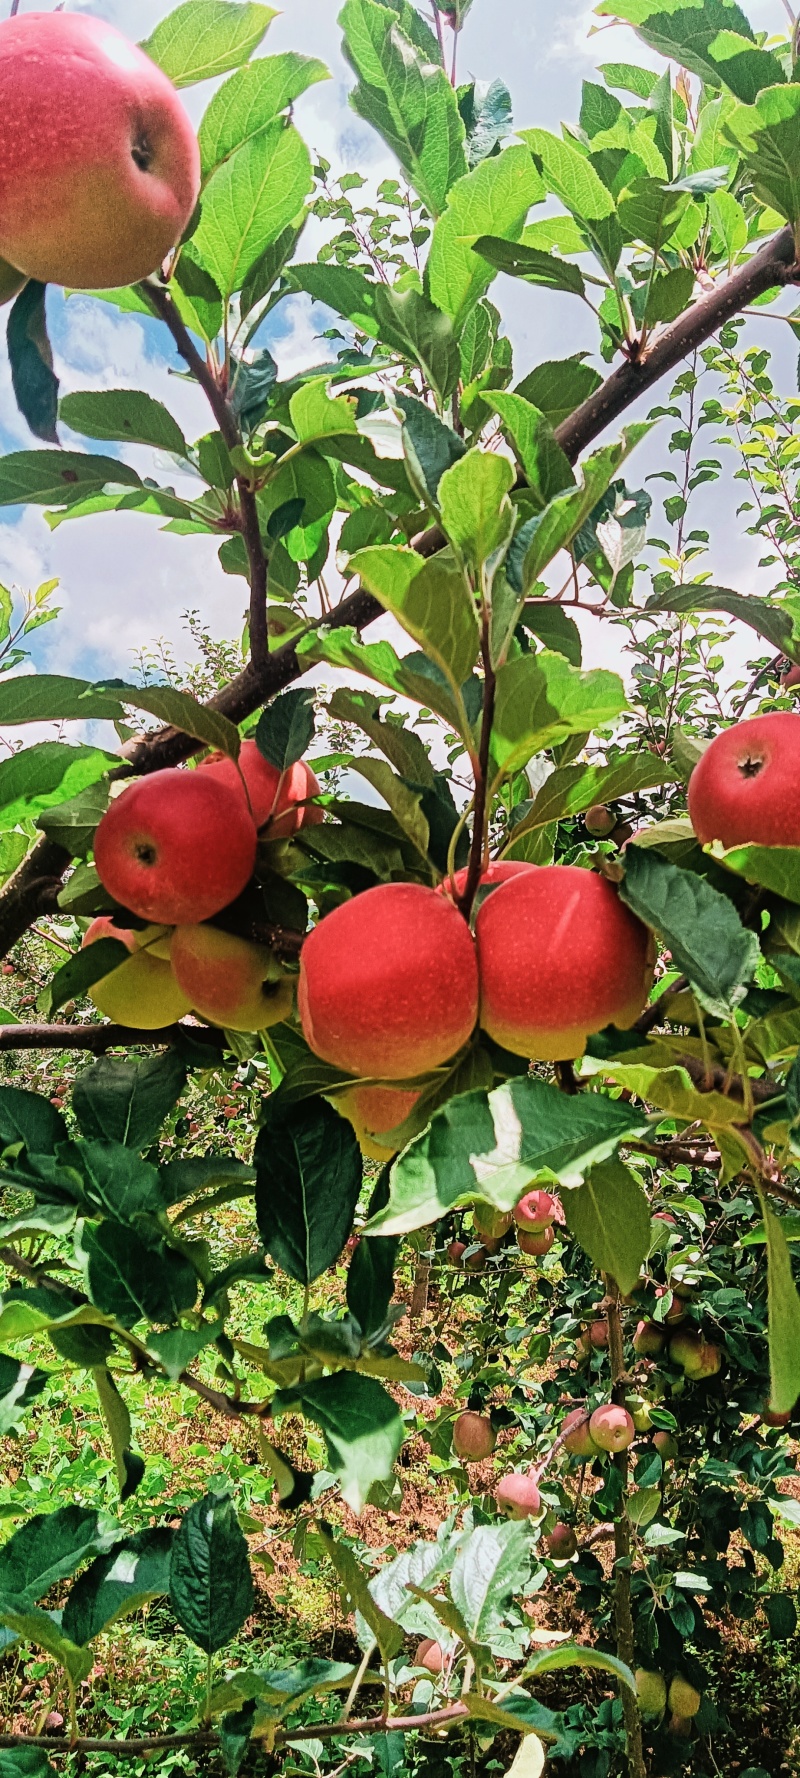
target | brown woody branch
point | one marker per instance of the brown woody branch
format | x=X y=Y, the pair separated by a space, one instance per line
x=99 y=1038
x=448 y=1716
x=33 y=888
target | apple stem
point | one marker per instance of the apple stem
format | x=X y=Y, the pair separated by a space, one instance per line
x=14 y=9
x=478 y=847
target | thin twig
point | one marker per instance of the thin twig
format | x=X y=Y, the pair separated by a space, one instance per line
x=318 y=1731
x=476 y=856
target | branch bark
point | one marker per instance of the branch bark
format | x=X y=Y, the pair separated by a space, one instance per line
x=99 y=1038
x=319 y=1731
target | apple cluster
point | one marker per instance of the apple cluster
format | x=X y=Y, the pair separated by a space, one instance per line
x=394 y=982
x=175 y=849
x=99 y=163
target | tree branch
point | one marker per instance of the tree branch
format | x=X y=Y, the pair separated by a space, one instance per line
x=99 y=1038
x=318 y=1731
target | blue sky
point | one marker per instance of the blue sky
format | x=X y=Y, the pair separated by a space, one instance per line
x=124 y=583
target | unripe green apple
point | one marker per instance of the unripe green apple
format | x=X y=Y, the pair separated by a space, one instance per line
x=141 y=993
x=373 y=1113
x=665 y=1445
x=600 y=821
x=651 y=1691
x=430 y=1654
x=517 y=1496
x=489 y=1223
x=389 y=983
x=697 y=1358
x=176 y=846
x=639 y=1411
x=536 y=1245
x=612 y=1428
x=100 y=171
x=577 y=1436
x=534 y=1212
x=474 y=1437
x=649 y=1339
x=743 y=789
x=230 y=981
x=684 y=1700
x=562 y=1544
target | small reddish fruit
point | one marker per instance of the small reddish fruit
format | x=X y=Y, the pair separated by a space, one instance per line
x=600 y=821
x=517 y=1496
x=456 y=1251
x=676 y=1313
x=612 y=1428
x=598 y=1334
x=562 y=1544
x=536 y=1245
x=665 y=1445
x=277 y=799
x=680 y=1727
x=175 y=847
x=474 y=1436
x=500 y=870
x=649 y=1339
x=535 y=1211
x=476 y=1260
x=743 y=789
x=430 y=1654
x=577 y=1436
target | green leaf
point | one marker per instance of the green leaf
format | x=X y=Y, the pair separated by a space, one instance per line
x=343 y=288
x=59 y=478
x=33 y=379
x=571 y=177
x=249 y=201
x=205 y=38
x=124 y=414
x=541 y=700
x=117 y=1584
x=772 y=620
x=544 y=465
x=429 y=599
x=25 y=1762
x=73 y=825
x=251 y=100
x=610 y=1216
x=775 y=867
x=48 y=773
x=114 y=1410
x=492 y=1564
x=669 y=295
x=487 y=111
x=571 y=789
x=50 y=697
x=413 y=677
x=370 y=1274
x=41 y=1628
x=476 y=513
x=768 y=135
x=404 y=802
x=19 y=1386
x=362 y=1427
x=131 y=1280
x=543 y=536
x=180 y=710
x=649 y=211
x=30 y=1120
x=76 y=977
x=317 y=415
x=49 y=1548
x=492 y=200
x=559 y=386
x=402 y=746
x=533 y=264
x=700 y=927
x=784 y=1317
x=286 y=729
x=357 y=1596
x=196 y=297
x=210 y=1585
x=309 y=1169
x=430 y=446
x=120 y=1100
x=494 y=1146
x=406 y=98
x=408 y=323
x=557 y=631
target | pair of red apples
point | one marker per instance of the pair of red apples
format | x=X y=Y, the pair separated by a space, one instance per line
x=99 y=163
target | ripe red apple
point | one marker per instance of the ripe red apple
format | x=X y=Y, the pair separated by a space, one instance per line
x=536 y=1245
x=489 y=1223
x=499 y=870
x=577 y=1435
x=141 y=993
x=684 y=1700
x=560 y=957
x=517 y=1496
x=665 y=1445
x=228 y=980
x=649 y=1339
x=473 y=1436
x=535 y=1211
x=790 y=679
x=476 y=1260
x=277 y=799
x=389 y=983
x=612 y=1428
x=456 y=1251
x=697 y=1358
x=744 y=787
x=651 y=1691
x=598 y=1334
x=373 y=1111
x=562 y=1544
x=600 y=821
x=430 y=1655
x=99 y=164
x=175 y=847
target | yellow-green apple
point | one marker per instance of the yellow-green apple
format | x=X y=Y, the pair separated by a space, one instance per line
x=562 y=1544
x=277 y=799
x=600 y=821
x=639 y=1409
x=489 y=1223
x=649 y=1339
x=697 y=1358
x=535 y=1211
x=473 y=1436
x=141 y=993
x=536 y=1243
x=577 y=1436
x=665 y=1445
x=517 y=1496
x=99 y=163
x=560 y=957
x=651 y=1690
x=389 y=983
x=612 y=1428
x=430 y=1654
x=373 y=1112
x=684 y=1699
x=743 y=789
x=228 y=980
x=175 y=847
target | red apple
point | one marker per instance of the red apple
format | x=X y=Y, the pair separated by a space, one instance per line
x=600 y=821
x=537 y=1243
x=99 y=164
x=535 y=1211
x=517 y=1496
x=230 y=981
x=560 y=957
x=665 y=1445
x=430 y=1655
x=743 y=789
x=456 y=1251
x=277 y=799
x=770 y=1418
x=649 y=1339
x=562 y=1544
x=577 y=1436
x=175 y=847
x=499 y=870
x=612 y=1428
x=389 y=983
x=473 y=1436
x=489 y=1223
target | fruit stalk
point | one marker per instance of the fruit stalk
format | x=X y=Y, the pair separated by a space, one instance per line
x=479 y=819
x=623 y=1614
